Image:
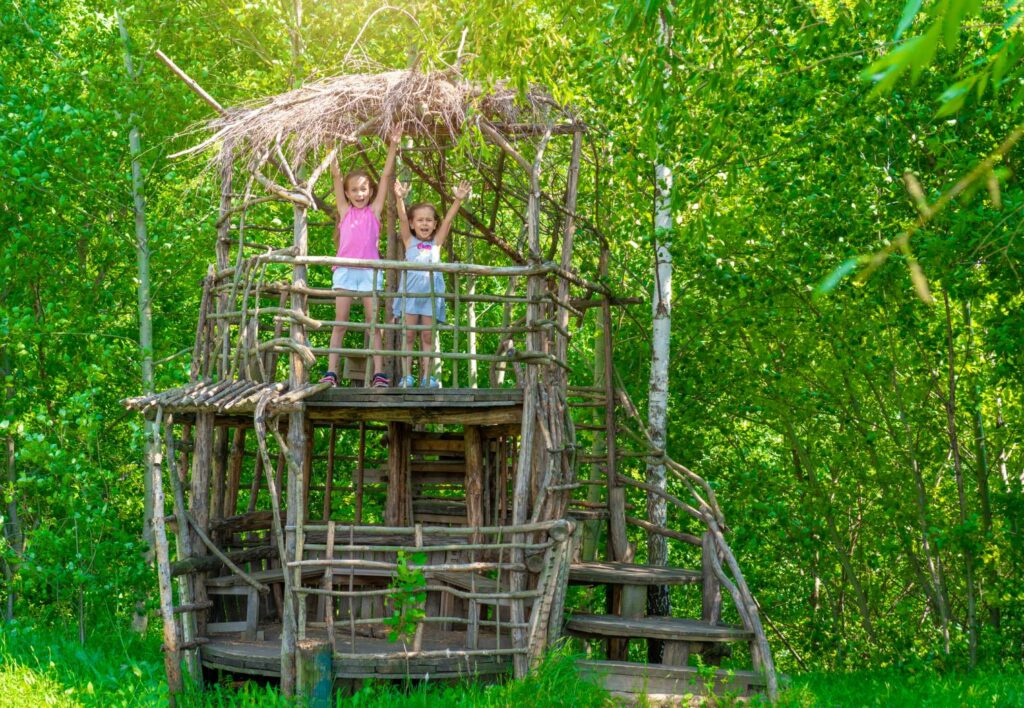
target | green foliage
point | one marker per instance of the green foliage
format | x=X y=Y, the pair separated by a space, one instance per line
x=904 y=688
x=819 y=420
x=407 y=597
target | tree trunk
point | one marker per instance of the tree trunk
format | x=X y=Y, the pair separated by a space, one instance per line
x=657 y=398
x=954 y=448
x=141 y=620
x=805 y=468
x=981 y=466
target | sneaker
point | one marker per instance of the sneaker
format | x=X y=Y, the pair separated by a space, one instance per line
x=430 y=383
x=330 y=377
x=381 y=380
x=408 y=381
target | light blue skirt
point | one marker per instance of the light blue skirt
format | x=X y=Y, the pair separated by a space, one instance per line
x=415 y=303
x=358 y=280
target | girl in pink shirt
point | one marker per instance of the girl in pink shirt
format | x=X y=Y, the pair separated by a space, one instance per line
x=357 y=236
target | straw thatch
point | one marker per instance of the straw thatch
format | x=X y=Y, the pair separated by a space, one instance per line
x=339 y=109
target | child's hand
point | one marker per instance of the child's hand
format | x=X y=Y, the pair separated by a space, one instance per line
x=396 y=134
x=463 y=191
x=401 y=190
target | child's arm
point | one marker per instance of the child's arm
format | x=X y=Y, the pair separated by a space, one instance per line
x=404 y=232
x=461 y=193
x=339 y=196
x=388 y=173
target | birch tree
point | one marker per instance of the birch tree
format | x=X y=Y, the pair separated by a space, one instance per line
x=661 y=330
x=145 y=308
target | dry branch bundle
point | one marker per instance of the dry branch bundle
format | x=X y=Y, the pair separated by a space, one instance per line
x=341 y=108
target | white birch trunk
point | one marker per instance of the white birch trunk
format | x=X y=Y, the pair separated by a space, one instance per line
x=657 y=399
x=145 y=310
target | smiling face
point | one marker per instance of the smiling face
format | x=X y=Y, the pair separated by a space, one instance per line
x=423 y=222
x=358 y=190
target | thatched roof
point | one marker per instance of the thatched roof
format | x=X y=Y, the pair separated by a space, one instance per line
x=340 y=108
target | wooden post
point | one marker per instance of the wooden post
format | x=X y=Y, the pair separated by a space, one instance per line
x=360 y=471
x=223 y=250
x=315 y=673
x=332 y=441
x=396 y=512
x=711 y=600
x=307 y=467
x=172 y=653
x=521 y=503
x=220 y=463
x=617 y=525
x=184 y=543
x=474 y=479
x=199 y=503
x=298 y=376
x=234 y=475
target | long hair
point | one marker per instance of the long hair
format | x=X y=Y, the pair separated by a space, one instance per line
x=425 y=205
x=360 y=173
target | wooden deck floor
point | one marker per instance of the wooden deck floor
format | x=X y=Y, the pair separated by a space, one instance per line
x=263 y=656
x=475 y=406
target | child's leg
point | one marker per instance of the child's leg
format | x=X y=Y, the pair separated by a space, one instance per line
x=342 y=305
x=409 y=343
x=370 y=308
x=426 y=347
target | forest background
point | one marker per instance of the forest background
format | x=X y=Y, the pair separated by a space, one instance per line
x=846 y=359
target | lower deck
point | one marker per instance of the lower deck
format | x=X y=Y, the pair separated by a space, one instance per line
x=368 y=655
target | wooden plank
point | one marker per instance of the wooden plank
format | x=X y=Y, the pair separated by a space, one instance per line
x=435 y=445
x=669 y=628
x=483 y=414
x=596 y=572
x=661 y=680
x=342 y=394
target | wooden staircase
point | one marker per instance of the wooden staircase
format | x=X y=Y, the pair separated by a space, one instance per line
x=681 y=638
x=613 y=498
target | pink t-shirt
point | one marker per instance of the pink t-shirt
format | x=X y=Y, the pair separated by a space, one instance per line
x=359 y=235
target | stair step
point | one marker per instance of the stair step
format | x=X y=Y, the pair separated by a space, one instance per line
x=658 y=680
x=606 y=572
x=668 y=628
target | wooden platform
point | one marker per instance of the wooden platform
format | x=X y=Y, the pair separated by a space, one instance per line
x=473 y=406
x=666 y=628
x=609 y=573
x=263 y=657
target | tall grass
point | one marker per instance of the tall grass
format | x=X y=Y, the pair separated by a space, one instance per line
x=42 y=667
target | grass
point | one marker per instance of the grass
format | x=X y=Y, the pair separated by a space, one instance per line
x=906 y=688
x=118 y=668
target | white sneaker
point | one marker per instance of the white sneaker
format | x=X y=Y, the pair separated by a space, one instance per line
x=430 y=383
x=408 y=381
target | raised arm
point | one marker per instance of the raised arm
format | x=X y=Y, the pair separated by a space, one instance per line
x=388 y=172
x=461 y=193
x=339 y=195
x=404 y=232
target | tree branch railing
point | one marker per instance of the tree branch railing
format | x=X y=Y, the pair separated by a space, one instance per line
x=241 y=308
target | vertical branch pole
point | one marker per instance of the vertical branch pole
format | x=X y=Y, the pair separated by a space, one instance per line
x=199 y=501
x=531 y=395
x=172 y=651
x=145 y=303
x=298 y=376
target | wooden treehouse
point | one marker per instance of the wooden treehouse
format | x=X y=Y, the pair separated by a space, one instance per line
x=492 y=516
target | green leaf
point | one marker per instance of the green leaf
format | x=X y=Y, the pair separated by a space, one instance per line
x=836 y=276
x=910 y=11
x=954 y=96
